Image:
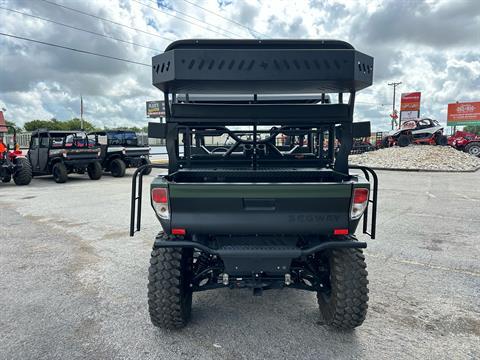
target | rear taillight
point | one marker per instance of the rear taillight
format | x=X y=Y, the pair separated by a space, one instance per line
x=160 y=202
x=359 y=202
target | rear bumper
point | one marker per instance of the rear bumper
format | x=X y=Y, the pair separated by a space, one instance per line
x=260 y=251
x=260 y=256
x=79 y=163
x=135 y=161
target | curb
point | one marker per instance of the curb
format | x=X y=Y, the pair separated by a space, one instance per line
x=423 y=170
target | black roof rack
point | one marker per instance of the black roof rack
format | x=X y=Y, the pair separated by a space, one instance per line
x=261 y=66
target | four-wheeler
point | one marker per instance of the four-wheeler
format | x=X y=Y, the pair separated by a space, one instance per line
x=420 y=131
x=121 y=149
x=276 y=205
x=465 y=141
x=60 y=153
x=12 y=163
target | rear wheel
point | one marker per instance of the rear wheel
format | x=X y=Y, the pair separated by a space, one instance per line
x=146 y=171
x=441 y=140
x=7 y=178
x=344 y=303
x=169 y=291
x=473 y=148
x=117 y=168
x=23 y=173
x=94 y=170
x=59 y=172
x=404 y=140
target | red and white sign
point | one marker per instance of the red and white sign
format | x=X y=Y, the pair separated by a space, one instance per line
x=410 y=101
x=409 y=115
x=463 y=113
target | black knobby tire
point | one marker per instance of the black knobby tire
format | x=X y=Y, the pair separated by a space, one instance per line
x=385 y=142
x=473 y=148
x=94 y=170
x=59 y=172
x=404 y=140
x=7 y=178
x=441 y=140
x=169 y=291
x=23 y=173
x=344 y=305
x=117 y=168
x=146 y=171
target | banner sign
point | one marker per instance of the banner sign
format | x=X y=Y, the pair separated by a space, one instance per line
x=409 y=115
x=155 y=108
x=410 y=101
x=466 y=113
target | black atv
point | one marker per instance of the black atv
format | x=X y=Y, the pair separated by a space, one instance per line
x=60 y=153
x=120 y=150
x=256 y=194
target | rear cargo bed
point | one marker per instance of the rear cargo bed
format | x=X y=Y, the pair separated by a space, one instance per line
x=225 y=204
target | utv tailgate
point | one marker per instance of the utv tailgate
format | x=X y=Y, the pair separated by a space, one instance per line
x=259 y=208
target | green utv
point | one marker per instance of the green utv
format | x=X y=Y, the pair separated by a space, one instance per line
x=259 y=193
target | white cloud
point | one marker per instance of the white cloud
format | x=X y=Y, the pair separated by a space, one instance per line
x=431 y=46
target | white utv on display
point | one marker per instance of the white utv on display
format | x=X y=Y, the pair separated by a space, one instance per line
x=257 y=196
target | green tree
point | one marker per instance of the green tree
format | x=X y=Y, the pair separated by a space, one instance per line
x=131 y=128
x=472 y=129
x=75 y=124
x=54 y=124
x=42 y=124
x=10 y=123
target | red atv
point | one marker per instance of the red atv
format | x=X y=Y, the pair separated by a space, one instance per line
x=465 y=141
x=12 y=163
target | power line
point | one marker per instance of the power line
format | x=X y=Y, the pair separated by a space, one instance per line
x=191 y=17
x=182 y=19
x=225 y=18
x=370 y=103
x=79 y=29
x=107 y=20
x=76 y=50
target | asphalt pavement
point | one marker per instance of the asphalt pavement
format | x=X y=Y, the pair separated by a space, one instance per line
x=73 y=283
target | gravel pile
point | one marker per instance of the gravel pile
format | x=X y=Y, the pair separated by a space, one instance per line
x=418 y=157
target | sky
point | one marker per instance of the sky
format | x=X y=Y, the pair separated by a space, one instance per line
x=430 y=46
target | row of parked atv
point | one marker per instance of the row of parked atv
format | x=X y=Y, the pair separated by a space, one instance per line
x=60 y=153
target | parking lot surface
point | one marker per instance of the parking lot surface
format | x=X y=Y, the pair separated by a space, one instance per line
x=73 y=283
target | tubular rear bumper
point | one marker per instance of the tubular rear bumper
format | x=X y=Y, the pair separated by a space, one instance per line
x=257 y=256
x=261 y=251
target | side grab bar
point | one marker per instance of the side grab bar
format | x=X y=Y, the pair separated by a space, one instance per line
x=372 y=200
x=136 y=196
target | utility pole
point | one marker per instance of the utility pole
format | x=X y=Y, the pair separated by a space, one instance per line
x=81 y=112
x=394 y=84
